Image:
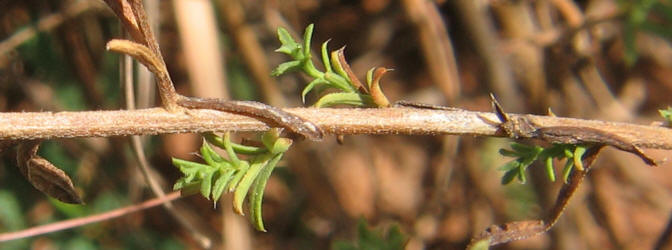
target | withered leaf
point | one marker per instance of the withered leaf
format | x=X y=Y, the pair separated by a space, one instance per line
x=44 y=176
x=498 y=234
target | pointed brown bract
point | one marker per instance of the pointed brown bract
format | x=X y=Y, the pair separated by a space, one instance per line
x=376 y=92
x=45 y=176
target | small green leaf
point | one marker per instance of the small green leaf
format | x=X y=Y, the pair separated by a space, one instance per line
x=281 y=145
x=550 y=171
x=353 y=99
x=509 y=176
x=210 y=157
x=257 y=194
x=289 y=46
x=220 y=184
x=190 y=188
x=369 y=77
x=242 y=169
x=339 y=82
x=307 y=36
x=569 y=153
x=287 y=67
x=509 y=165
x=310 y=86
x=269 y=137
x=567 y=170
x=237 y=148
x=244 y=185
x=666 y=113
x=187 y=165
x=509 y=153
x=229 y=150
x=336 y=64
x=325 y=57
x=521 y=148
x=521 y=175
x=206 y=183
x=247 y=150
x=578 y=154
x=272 y=141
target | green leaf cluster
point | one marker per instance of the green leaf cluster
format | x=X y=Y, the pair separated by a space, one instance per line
x=638 y=19
x=526 y=155
x=348 y=89
x=371 y=239
x=666 y=113
x=243 y=177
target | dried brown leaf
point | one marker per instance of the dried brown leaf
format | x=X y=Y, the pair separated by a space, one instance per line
x=45 y=176
x=498 y=234
x=340 y=55
x=139 y=52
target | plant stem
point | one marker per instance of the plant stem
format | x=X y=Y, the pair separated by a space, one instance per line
x=409 y=121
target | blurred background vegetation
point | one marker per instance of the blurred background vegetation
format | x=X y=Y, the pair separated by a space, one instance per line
x=598 y=59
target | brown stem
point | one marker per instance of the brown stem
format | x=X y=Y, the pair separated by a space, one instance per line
x=410 y=121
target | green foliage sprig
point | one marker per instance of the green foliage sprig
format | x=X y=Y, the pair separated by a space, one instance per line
x=666 y=113
x=337 y=74
x=526 y=155
x=245 y=178
x=371 y=239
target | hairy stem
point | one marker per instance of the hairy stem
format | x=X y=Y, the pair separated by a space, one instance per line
x=410 y=121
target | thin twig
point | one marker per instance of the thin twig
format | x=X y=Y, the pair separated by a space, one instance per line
x=72 y=223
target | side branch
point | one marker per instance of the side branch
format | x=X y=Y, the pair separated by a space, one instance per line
x=410 y=121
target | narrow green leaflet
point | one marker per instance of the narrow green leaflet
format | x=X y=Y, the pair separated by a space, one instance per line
x=220 y=184
x=286 y=67
x=289 y=46
x=353 y=99
x=666 y=113
x=526 y=155
x=245 y=183
x=257 y=193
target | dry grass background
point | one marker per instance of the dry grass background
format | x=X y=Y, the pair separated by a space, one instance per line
x=562 y=54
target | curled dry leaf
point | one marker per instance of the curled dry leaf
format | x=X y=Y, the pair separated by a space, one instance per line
x=341 y=65
x=45 y=176
x=139 y=52
x=377 y=93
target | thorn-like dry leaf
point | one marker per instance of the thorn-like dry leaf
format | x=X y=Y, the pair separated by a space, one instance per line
x=44 y=176
x=376 y=92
